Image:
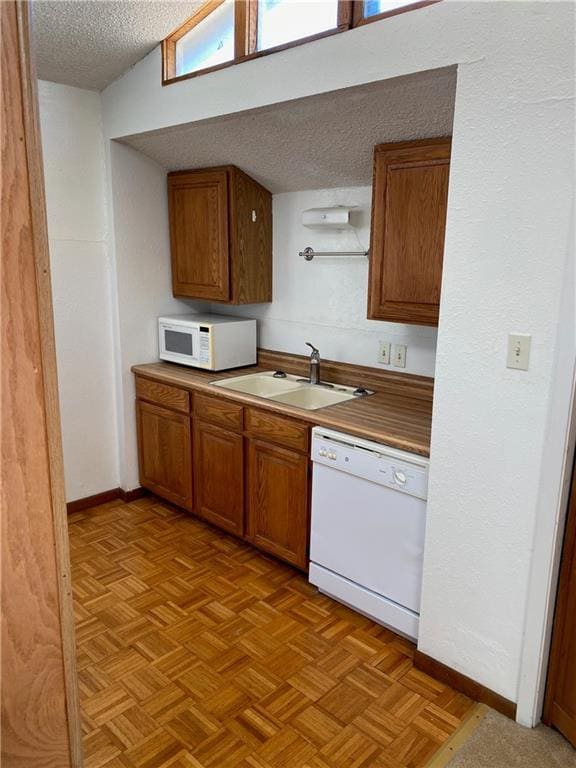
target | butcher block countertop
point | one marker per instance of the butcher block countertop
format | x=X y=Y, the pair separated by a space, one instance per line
x=399 y=414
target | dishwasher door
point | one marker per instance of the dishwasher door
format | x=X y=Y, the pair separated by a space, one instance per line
x=368 y=526
x=368 y=533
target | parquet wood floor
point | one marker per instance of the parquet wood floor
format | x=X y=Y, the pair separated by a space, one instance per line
x=196 y=651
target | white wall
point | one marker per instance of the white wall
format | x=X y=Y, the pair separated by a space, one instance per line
x=324 y=301
x=74 y=172
x=505 y=266
x=142 y=286
x=507 y=240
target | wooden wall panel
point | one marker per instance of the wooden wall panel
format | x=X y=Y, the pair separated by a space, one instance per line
x=560 y=705
x=40 y=718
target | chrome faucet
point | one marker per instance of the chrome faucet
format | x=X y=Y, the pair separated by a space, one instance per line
x=314 y=364
x=315 y=368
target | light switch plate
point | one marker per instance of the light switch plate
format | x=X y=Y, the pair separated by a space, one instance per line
x=518 y=355
x=384 y=353
x=400 y=355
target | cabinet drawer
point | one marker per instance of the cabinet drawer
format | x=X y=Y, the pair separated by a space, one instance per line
x=219 y=411
x=277 y=429
x=163 y=394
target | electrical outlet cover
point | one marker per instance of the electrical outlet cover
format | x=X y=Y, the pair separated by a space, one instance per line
x=400 y=355
x=384 y=353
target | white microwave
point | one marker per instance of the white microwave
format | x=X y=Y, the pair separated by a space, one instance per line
x=213 y=342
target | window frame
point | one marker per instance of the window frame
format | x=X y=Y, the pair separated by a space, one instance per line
x=359 y=19
x=350 y=16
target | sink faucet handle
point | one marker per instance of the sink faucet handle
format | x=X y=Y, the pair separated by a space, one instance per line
x=313 y=348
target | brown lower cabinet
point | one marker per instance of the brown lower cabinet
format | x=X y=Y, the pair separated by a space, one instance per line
x=219 y=476
x=164 y=452
x=277 y=501
x=242 y=469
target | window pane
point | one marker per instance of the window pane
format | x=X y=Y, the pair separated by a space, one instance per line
x=373 y=7
x=281 y=21
x=209 y=43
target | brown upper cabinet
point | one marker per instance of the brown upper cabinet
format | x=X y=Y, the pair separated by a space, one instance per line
x=220 y=236
x=409 y=202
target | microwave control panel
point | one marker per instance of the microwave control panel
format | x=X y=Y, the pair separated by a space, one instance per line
x=204 y=344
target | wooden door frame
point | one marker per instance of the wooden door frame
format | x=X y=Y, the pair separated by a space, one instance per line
x=567 y=564
x=32 y=465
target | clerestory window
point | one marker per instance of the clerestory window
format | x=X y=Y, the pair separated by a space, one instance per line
x=225 y=32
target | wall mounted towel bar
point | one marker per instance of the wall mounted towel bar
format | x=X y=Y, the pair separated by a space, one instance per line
x=308 y=254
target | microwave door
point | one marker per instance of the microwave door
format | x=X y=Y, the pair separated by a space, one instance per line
x=180 y=344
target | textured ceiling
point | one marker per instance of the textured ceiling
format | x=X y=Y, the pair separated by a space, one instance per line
x=89 y=43
x=312 y=143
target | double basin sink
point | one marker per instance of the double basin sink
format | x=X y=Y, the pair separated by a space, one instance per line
x=290 y=390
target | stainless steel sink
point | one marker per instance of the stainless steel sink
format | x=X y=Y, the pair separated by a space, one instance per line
x=288 y=389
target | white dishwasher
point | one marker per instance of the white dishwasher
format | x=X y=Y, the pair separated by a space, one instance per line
x=368 y=525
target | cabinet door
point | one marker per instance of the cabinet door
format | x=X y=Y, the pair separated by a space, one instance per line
x=219 y=476
x=409 y=204
x=164 y=453
x=198 y=204
x=277 y=499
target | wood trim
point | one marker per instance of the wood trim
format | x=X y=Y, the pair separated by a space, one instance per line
x=251 y=56
x=199 y=15
x=36 y=586
x=450 y=747
x=464 y=684
x=439 y=141
x=252 y=35
x=345 y=14
x=168 y=61
x=169 y=43
x=553 y=714
x=360 y=20
x=241 y=32
x=50 y=381
x=105 y=497
x=133 y=495
x=244 y=28
x=403 y=384
x=357 y=12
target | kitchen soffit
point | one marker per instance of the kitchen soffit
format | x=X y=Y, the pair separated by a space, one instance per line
x=315 y=142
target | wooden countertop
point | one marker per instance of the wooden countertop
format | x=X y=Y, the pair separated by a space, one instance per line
x=387 y=417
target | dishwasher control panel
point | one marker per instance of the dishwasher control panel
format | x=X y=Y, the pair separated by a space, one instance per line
x=386 y=466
